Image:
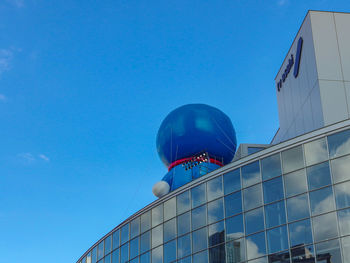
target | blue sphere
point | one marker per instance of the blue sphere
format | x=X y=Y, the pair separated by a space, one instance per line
x=194 y=128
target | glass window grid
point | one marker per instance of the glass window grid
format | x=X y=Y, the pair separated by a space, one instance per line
x=308 y=191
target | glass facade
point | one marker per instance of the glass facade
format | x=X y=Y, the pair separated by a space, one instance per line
x=288 y=205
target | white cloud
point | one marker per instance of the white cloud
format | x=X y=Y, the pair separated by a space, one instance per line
x=26 y=157
x=282 y=2
x=6 y=56
x=2 y=97
x=44 y=157
x=16 y=3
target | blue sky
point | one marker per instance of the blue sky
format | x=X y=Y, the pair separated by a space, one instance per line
x=84 y=86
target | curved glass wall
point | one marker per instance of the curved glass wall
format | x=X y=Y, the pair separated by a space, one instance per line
x=291 y=206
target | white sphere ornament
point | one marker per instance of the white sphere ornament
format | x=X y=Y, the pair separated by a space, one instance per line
x=160 y=189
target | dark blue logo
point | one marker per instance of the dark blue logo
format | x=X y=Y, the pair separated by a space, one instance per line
x=290 y=65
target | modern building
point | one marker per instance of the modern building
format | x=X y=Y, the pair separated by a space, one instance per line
x=284 y=202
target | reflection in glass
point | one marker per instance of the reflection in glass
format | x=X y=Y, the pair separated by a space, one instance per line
x=235 y=251
x=216 y=233
x=145 y=258
x=251 y=174
x=298 y=207
x=233 y=204
x=234 y=227
x=185 y=260
x=303 y=254
x=292 y=159
x=232 y=181
x=198 y=196
x=254 y=221
x=157 y=236
x=115 y=256
x=215 y=211
x=108 y=244
x=134 y=247
x=346 y=248
x=145 y=241
x=157 y=215
x=124 y=234
x=214 y=188
x=88 y=258
x=94 y=255
x=256 y=246
x=295 y=183
x=322 y=201
x=271 y=166
x=183 y=224
x=135 y=260
x=339 y=144
x=341 y=169
x=318 y=175
x=145 y=221
x=344 y=222
x=107 y=259
x=170 y=230
x=281 y=257
x=199 y=217
x=183 y=202
x=342 y=195
x=316 y=151
x=277 y=239
x=170 y=251
x=217 y=254
x=325 y=227
x=259 y=260
x=200 y=257
x=100 y=251
x=170 y=209
x=183 y=246
x=157 y=255
x=273 y=190
x=252 y=197
x=135 y=227
x=300 y=233
x=328 y=251
x=275 y=214
x=124 y=253
x=199 y=239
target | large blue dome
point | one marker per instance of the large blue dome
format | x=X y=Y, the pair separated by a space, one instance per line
x=194 y=128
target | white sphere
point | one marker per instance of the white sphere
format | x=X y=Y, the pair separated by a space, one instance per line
x=160 y=189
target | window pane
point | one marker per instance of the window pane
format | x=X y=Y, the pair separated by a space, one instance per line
x=344 y=222
x=232 y=181
x=215 y=211
x=271 y=166
x=339 y=144
x=254 y=221
x=145 y=221
x=170 y=251
x=185 y=260
x=256 y=246
x=275 y=214
x=346 y=248
x=273 y=190
x=277 y=239
x=216 y=233
x=157 y=255
x=259 y=260
x=124 y=253
x=295 y=183
x=94 y=255
x=298 y=207
x=170 y=230
x=198 y=195
x=234 y=227
x=233 y=204
x=300 y=233
x=115 y=256
x=292 y=159
x=252 y=197
x=328 y=251
x=183 y=224
x=88 y=258
x=316 y=151
x=134 y=247
x=135 y=260
x=170 y=209
x=199 y=217
x=235 y=251
x=157 y=236
x=342 y=195
x=214 y=188
x=157 y=215
x=108 y=245
x=199 y=239
x=303 y=254
x=217 y=254
x=325 y=227
x=200 y=257
x=135 y=227
x=322 y=201
x=145 y=258
x=124 y=234
x=341 y=169
x=282 y=257
x=183 y=202
x=183 y=246
x=146 y=241
x=251 y=174
x=100 y=250
x=318 y=175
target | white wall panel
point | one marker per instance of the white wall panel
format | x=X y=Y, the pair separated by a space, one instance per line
x=342 y=23
x=316 y=106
